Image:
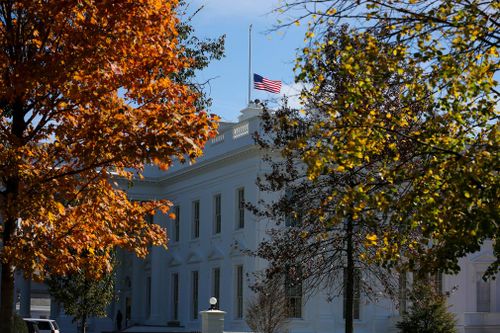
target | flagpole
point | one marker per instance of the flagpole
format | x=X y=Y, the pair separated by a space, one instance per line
x=249 y=64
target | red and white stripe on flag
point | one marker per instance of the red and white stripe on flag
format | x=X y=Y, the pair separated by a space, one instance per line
x=262 y=83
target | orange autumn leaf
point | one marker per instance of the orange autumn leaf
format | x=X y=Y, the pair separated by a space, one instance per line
x=86 y=93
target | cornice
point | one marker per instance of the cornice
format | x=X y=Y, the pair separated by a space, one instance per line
x=178 y=175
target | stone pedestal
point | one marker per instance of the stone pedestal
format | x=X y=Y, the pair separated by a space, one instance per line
x=212 y=321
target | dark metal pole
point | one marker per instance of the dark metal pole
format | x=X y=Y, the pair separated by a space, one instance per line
x=249 y=64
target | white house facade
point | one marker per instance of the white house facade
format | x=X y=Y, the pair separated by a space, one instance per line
x=206 y=256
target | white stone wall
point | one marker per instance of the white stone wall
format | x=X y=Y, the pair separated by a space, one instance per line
x=232 y=161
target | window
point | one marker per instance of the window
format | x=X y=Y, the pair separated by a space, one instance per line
x=402 y=293
x=177 y=231
x=148 y=296
x=292 y=219
x=44 y=325
x=239 y=292
x=356 y=296
x=293 y=293
x=196 y=219
x=175 y=296
x=216 y=284
x=438 y=282
x=128 y=308
x=241 y=208
x=483 y=293
x=194 y=295
x=217 y=214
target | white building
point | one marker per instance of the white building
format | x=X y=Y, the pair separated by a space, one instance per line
x=166 y=291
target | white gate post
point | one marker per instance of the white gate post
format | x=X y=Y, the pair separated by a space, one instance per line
x=212 y=321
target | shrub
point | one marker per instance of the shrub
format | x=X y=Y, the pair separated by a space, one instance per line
x=428 y=312
x=19 y=324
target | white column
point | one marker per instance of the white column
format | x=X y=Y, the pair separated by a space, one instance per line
x=156 y=287
x=137 y=294
x=55 y=310
x=25 y=298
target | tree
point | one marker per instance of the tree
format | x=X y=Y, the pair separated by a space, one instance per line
x=428 y=312
x=82 y=296
x=89 y=91
x=336 y=224
x=436 y=151
x=314 y=246
x=267 y=312
x=20 y=325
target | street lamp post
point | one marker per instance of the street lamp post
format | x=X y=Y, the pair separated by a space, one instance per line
x=213 y=302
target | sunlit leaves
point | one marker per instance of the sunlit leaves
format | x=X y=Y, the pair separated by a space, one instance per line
x=90 y=91
x=408 y=99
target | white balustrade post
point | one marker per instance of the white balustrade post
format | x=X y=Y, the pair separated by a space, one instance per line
x=212 y=321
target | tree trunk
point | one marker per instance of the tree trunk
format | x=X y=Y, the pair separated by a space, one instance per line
x=7 y=299
x=83 y=325
x=7 y=275
x=11 y=195
x=10 y=216
x=349 y=276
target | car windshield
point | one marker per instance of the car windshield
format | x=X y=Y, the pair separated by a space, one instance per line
x=44 y=325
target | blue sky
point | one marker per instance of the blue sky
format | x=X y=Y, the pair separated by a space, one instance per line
x=273 y=52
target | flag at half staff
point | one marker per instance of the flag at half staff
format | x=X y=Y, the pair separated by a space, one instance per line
x=261 y=83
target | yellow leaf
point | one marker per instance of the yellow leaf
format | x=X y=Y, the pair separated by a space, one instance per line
x=60 y=208
x=372 y=238
x=80 y=16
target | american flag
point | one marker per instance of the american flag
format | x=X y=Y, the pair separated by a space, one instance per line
x=261 y=83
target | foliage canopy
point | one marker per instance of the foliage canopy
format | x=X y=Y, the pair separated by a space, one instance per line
x=417 y=120
x=81 y=296
x=90 y=91
x=330 y=234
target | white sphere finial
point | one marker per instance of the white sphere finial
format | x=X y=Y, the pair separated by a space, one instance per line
x=213 y=300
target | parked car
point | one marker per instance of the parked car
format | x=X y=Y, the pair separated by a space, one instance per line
x=44 y=325
x=32 y=327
